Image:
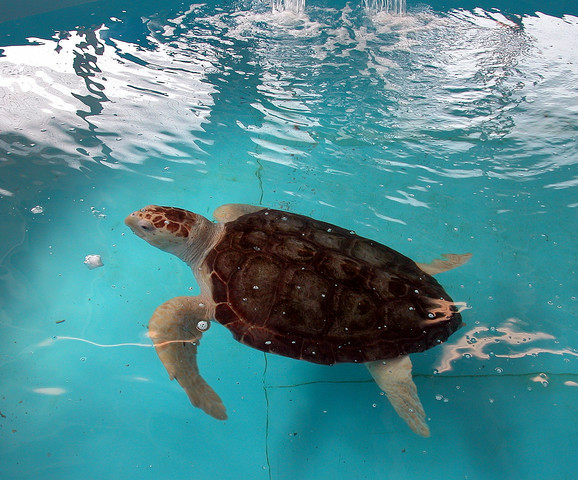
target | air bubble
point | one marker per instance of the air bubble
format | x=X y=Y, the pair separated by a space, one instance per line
x=499 y=370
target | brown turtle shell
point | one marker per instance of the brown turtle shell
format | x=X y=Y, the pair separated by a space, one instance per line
x=288 y=284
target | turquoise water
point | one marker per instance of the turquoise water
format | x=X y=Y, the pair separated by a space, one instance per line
x=453 y=128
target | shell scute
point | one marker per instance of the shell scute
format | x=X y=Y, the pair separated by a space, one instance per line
x=295 y=250
x=252 y=293
x=341 y=268
x=368 y=251
x=302 y=306
x=225 y=315
x=327 y=238
x=226 y=263
x=358 y=312
x=220 y=289
x=254 y=240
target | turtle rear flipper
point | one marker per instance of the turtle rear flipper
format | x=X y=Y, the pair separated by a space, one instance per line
x=394 y=378
x=175 y=329
x=449 y=262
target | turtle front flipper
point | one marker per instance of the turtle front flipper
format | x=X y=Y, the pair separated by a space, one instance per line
x=394 y=378
x=175 y=329
x=450 y=261
x=232 y=211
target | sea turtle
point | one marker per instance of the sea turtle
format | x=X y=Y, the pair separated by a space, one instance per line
x=288 y=284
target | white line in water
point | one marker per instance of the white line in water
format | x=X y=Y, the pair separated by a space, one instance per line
x=148 y=345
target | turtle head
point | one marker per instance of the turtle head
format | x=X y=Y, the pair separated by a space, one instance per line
x=174 y=230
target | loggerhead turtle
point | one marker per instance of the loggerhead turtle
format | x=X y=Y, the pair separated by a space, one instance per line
x=288 y=284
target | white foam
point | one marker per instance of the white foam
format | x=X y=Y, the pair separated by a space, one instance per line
x=93 y=261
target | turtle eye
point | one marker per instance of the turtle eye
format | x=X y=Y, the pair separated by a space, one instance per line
x=146 y=226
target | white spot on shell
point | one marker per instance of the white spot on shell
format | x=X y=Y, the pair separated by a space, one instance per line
x=268 y=342
x=329 y=230
x=202 y=325
x=93 y=261
x=284 y=219
x=255 y=287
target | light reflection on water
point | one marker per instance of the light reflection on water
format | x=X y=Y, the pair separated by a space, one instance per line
x=89 y=96
x=505 y=341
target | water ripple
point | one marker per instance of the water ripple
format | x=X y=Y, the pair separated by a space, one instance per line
x=459 y=95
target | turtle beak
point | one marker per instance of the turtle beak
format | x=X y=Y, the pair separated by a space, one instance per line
x=131 y=220
x=138 y=225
